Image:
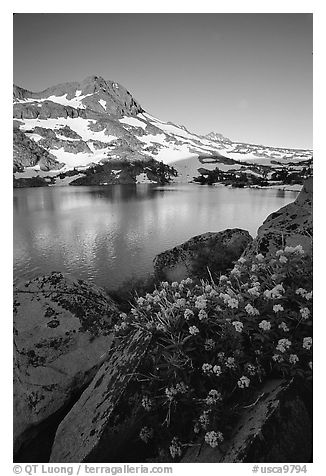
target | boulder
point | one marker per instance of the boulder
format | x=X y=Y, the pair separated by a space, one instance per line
x=215 y=251
x=62 y=334
x=276 y=428
x=289 y=226
x=99 y=425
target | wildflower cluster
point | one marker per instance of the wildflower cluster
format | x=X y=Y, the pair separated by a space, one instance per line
x=214 y=343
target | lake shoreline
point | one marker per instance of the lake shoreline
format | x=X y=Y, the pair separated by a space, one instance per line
x=285 y=188
x=110 y=235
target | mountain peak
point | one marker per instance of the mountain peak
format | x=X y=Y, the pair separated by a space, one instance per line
x=216 y=136
x=74 y=126
x=98 y=82
x=94 y=94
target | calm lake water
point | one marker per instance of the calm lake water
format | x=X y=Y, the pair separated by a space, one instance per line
x=110 y=234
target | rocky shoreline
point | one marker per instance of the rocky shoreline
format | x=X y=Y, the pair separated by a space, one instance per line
x=110 y=173
x=74 y=374
x=285 y=188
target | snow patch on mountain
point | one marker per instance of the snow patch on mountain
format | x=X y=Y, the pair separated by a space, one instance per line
x=78 y=124
x=132 y=121
x=171 y=156
x=105 y=122
x=35 y=137
x=152 y=139
x=103 y=103
x=75 y=102
x=73 y=160
x=142 y=178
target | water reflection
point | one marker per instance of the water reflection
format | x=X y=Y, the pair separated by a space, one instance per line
x=108 y=234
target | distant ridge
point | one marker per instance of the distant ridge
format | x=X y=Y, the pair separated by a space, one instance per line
x=76 y=126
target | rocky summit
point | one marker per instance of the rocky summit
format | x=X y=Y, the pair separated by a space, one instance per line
x=71 y=132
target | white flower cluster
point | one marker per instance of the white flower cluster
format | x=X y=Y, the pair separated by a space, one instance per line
x=278 y=308
x=304 y=293
x=283 y=259
x=307 y=343
x=305 y=313
x=254 y=291
x=238 y=325
x=283 y=326
x=213 y=293
x=293 y=358
x=243 y=382
x=147 y=403
x=295 y=250
x=175 y=448
x=236 y=272
x=230 y=301
x=213 y=438
x=201 y=302
x=301 y=292
x=213 y=397
x=209 y=344
x=193 y=330
x=180 y=302
x=274 y=293
x=163 y=293
x=251 y=310
x=204 y=419
x=209 y=369
x=230 y=363
x=171 y=392
x=283 y=345
x=251 y=369
x=186 y=281
x=119 y=327
x=202 y=315
x=265 y=325
x=187 y=314
x=233 y=303
x=146 y=434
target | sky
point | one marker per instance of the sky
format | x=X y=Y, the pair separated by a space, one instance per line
x=247 y=76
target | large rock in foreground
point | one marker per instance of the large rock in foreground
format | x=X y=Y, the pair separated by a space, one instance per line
x=62 y=334
x=277 y=427
x=101 y=422
x=215 y=251
x=288 y=226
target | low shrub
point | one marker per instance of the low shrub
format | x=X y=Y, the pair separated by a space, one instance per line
x=214 y=343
